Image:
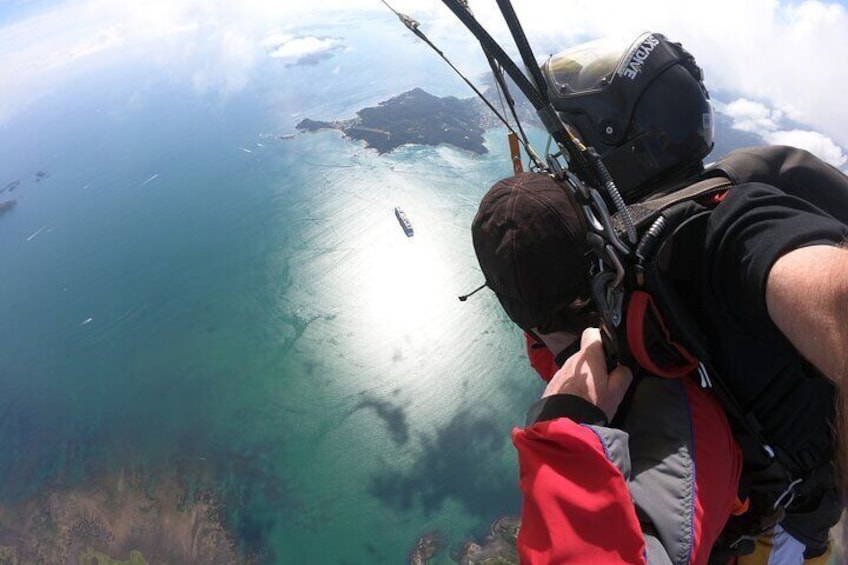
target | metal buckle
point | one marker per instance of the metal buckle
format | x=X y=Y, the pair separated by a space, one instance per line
x=598 y=217
x=608 y=295
x=789 y=492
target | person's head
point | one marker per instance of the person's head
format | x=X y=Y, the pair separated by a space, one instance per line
x=641 y=104
x=530 y=241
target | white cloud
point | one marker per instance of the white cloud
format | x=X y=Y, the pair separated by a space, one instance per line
x=770 y=123
x=784 y=54
x=812 y=141
x=227 y=70
x=214 y=45
x=788 y=55
x=296 y=48
x=752 y=116
x=274 y=40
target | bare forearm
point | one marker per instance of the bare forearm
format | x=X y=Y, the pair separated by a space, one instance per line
x=807 y=298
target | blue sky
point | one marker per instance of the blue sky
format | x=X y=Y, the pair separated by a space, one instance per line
x=14 y=10
x=771 y=64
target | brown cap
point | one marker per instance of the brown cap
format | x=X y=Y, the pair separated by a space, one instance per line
x=531 y=247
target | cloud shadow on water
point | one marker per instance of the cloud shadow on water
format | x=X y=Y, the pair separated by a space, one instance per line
x=392 y=415
x=462 y=462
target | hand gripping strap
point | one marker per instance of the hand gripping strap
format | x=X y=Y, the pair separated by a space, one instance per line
x=643 y=320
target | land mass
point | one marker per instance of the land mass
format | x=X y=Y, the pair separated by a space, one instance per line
x=7 y=206
x=118 y=519
x=414 y=117
x=498 y=547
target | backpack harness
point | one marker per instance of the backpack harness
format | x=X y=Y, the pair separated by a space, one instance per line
x=663 y=338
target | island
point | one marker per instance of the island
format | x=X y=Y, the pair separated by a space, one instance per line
x=11 y=186
x=414 y=117
x=7 y=205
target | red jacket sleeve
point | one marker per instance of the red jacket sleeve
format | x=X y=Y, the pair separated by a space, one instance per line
x=577 y=507
x=540 y=358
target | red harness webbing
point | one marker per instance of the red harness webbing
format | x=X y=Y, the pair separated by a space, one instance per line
x=637 y=312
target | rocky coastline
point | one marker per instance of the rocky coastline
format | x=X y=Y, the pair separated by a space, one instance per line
x=498 y=547
x=414 y=117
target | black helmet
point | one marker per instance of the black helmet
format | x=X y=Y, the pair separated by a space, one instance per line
x=641 y=104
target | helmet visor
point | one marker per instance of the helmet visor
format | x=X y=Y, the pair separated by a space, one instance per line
x=586 y=67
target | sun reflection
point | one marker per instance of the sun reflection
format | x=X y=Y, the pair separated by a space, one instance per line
x=405 y=287
x=394 y=324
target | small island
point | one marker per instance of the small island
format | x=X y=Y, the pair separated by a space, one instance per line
x=414 y=117
x=498 y=547
x=425 y=548
x=11 y=186
x=7 y=206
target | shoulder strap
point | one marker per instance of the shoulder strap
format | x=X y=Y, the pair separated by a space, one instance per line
x=646 y=211
x=658 y=219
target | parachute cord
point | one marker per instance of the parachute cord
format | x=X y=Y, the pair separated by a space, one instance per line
x=501 y=86
x=501 y=95
x=413 y=25
x=523 y=45
x=538 y=97
x=511 y=101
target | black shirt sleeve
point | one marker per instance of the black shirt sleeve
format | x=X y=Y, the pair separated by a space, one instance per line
x=566 y=406
x=747 y=233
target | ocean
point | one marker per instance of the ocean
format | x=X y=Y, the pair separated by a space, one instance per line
x=209 y=323
x=217 y=345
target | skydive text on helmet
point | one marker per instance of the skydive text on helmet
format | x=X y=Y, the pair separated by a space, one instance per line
x=634 y=66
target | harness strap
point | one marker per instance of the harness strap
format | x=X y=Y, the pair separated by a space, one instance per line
x=515 y=153
x=639 y=310
x=662 y=335
x=641 y=212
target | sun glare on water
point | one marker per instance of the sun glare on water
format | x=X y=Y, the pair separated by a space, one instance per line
x=403 y=289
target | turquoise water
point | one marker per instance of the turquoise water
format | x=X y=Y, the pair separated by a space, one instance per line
x=186 y=290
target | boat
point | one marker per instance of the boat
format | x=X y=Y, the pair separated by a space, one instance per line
x=404 y=221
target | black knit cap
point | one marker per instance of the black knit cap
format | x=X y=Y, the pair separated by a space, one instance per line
x=531 y=247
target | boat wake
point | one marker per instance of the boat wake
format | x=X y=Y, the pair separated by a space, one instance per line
x=35 y=234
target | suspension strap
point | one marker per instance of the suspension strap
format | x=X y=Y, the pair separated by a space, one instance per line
x=537 y=96
x=515 y=153
x=414 y=26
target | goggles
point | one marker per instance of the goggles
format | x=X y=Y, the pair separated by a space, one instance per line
x=604 y=78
